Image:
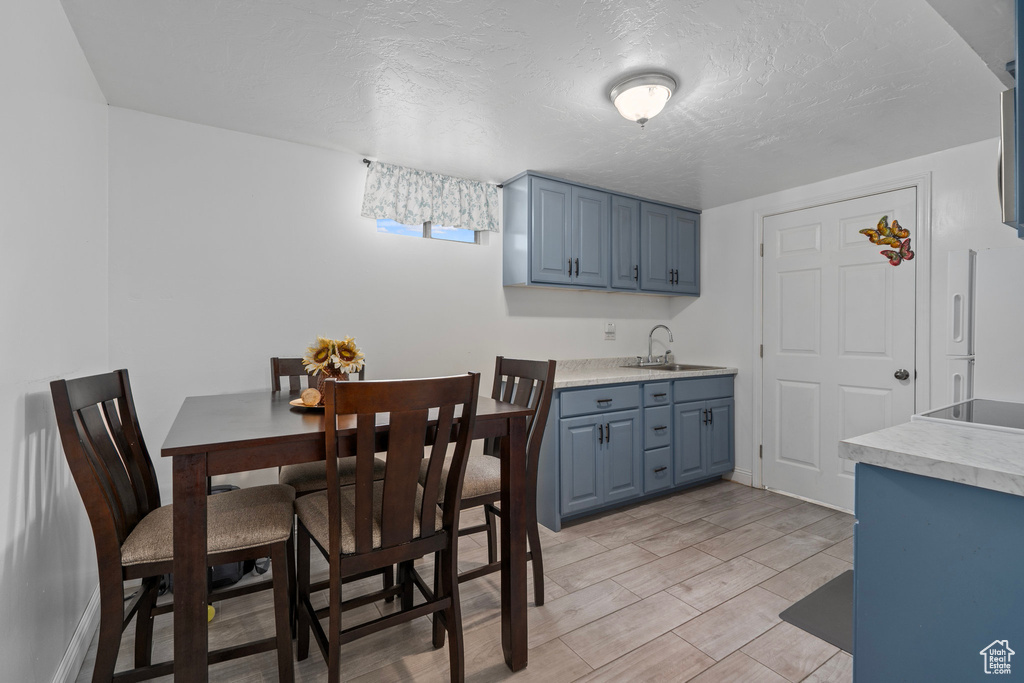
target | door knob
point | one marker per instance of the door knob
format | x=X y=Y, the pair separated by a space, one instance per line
x=901 y=374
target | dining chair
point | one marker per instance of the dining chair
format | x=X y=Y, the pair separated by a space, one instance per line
x=105 y=451
x=309 y=477
x=294 y=371
x=526 y=383
x=394 y=521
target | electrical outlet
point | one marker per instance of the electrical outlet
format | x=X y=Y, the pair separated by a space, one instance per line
x=609 y=331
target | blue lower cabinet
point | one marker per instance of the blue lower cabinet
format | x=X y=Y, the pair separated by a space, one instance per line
x=689 y=447
x=938 y=594
x=657 y=469
x=721 y=435
x=581 y=477
x=623 y=457
x=600 y=460
x=619 y=443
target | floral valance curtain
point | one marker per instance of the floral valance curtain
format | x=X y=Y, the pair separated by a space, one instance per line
x=410 y=196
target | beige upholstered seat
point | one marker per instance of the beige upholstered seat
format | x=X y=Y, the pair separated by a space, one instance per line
x=312 y=512
x=236 y=520
x=311 y=476
x=483 y=472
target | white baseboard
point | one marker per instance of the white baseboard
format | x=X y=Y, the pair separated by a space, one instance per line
x=740 y=477
x=71 y=664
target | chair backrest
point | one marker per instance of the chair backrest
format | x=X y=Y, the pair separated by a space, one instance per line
x=107 y=455
x=423 y=412
x=294 y=370
x=526 y=383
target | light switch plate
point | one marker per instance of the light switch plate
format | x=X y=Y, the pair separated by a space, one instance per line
x=609 y=331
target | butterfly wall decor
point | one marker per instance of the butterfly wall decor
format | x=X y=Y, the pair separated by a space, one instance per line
x=893 y=235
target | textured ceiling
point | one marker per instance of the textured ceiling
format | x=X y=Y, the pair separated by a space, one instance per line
x=774 y=93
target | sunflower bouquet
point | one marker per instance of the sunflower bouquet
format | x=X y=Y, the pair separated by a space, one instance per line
x=333 y=357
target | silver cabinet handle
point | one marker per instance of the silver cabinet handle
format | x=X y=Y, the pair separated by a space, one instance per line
x=901 y=374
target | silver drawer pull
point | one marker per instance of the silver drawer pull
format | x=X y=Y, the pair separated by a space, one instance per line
x=658 y=429
x=660 y=469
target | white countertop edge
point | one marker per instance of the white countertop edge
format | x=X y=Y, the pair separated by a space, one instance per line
x=585 y=377
x=977 y=457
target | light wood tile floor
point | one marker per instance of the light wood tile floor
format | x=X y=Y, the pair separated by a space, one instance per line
x=682 y=588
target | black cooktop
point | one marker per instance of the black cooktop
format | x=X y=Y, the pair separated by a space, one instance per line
x=982 y=411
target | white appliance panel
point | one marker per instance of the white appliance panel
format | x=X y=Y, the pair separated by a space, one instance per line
x=999 y=324
x=960 y=302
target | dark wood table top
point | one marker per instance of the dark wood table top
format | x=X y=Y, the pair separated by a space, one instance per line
x=207 y=424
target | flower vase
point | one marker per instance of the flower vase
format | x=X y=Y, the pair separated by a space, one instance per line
x=322 y=382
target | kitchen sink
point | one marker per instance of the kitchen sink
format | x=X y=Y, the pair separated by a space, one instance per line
x=675 y=367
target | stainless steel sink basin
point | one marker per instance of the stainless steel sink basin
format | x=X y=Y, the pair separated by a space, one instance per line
x=675 y=367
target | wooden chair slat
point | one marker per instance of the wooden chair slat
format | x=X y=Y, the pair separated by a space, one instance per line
x=407 y=433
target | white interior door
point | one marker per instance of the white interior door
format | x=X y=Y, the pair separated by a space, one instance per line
x=838 y=326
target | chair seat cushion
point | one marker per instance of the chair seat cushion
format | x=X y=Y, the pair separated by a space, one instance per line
x=312 y=512
x=235 y=520
x=312 y=476
x=483 y=472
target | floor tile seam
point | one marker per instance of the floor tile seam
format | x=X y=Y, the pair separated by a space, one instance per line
x=745 y=523
x=719 y=565
x=769 y=666
x=633 y=540
x=640 y=645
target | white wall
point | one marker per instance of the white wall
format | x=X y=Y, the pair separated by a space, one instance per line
x=227 y=249
x=964 y=214
x=53 y=297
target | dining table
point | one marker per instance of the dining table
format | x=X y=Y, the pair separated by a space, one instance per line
x=240 y=432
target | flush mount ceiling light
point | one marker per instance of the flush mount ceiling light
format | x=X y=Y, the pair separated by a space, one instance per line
x=642 y=97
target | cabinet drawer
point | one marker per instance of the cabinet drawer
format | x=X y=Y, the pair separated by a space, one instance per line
x=657 y=469
x=600 y=400
x=702 y=388
x=657 y=393
x=657 y=427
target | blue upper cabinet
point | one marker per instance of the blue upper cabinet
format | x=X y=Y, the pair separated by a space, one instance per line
x=564 y=234
x=590 y=237
x=669 y=250
x=625 y=243
x=551 y=219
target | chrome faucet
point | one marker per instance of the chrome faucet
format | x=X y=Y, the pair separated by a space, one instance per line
x=650 y=345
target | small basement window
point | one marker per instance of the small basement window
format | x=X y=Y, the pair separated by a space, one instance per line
x=429 y=230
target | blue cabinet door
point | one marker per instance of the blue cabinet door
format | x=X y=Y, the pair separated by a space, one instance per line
x=688 y=441
x=669 y=250
x=622 y=456
x=720 y=429
x=625 y=243
x=550 y=248
x=686 y=252
x=582 y=480
x=656 y=248
x=591 y=237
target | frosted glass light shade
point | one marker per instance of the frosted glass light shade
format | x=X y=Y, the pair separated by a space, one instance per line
x=642 y=97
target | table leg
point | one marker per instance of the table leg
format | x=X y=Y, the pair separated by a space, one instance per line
x=190 y=627
x=513 y=545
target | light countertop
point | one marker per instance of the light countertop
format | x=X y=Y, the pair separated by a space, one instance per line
x=966 y=455
x=597 y=371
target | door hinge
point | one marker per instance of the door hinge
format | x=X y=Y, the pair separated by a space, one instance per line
x=760 y=452
x=762 y=351
x=762 y=249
